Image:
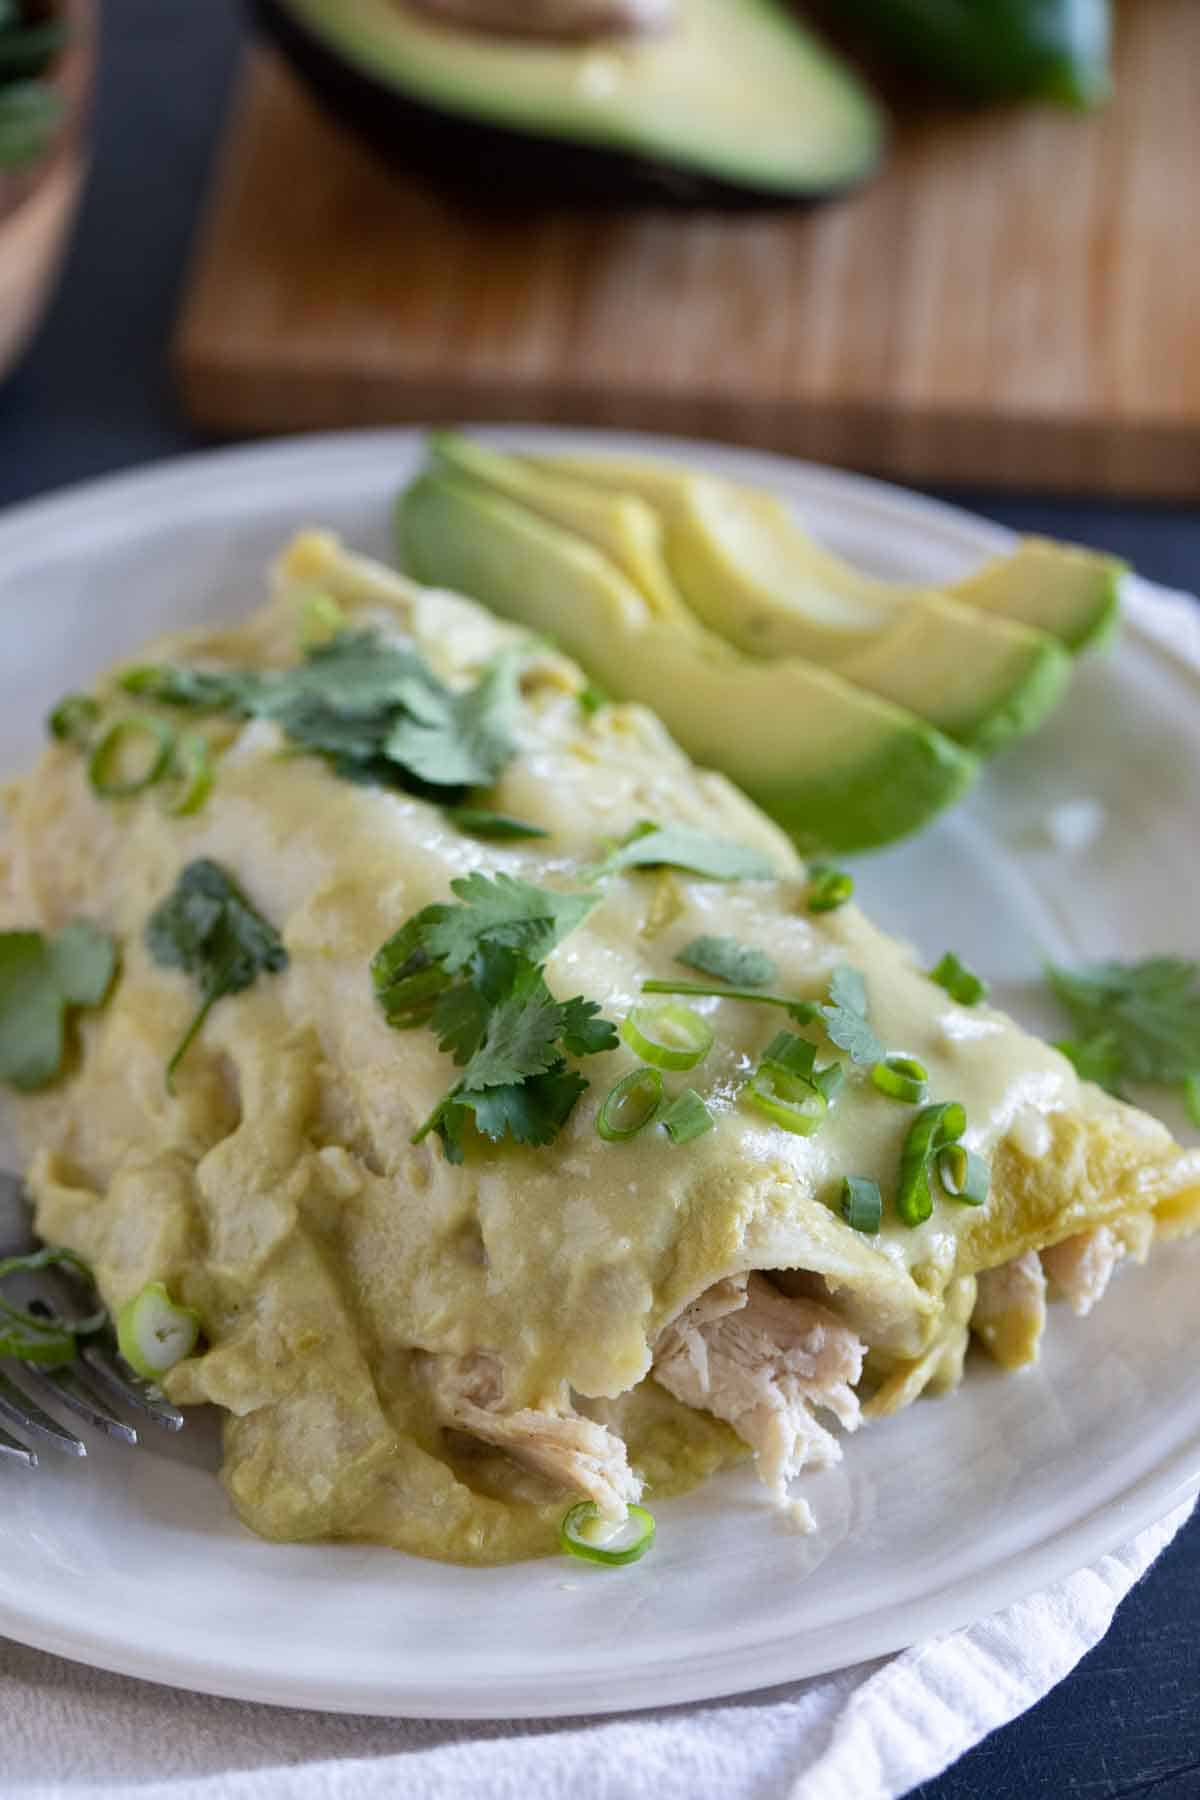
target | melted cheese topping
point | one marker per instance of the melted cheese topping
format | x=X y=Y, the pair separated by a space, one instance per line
x=279 y=1194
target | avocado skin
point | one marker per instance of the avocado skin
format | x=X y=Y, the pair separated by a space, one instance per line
x=1044 y=687
x=912 y=773
x=496 y=169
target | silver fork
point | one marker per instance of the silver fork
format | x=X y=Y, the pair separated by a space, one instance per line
x=90 y=1386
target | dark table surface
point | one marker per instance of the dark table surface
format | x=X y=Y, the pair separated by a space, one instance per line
x=95 y=394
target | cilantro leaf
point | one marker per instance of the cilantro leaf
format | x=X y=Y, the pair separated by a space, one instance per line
x=740 y=964
x=376 y=711
x=530 y=1112
x=1133 y=1021
x=460 y=1018
x=845 y=1016
x=520 y=1035
x=682 y=847
x=583 y=1031
x=478 y=821
x=502 y=910
x=208 y=928
x=41 y=978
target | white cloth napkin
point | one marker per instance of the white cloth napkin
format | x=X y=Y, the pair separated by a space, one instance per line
x=874 y=1731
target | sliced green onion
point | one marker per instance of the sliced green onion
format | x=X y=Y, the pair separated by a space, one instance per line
x=153 y=1334
x=803 y=1011
x=74 y=719
x=791 y=1052
x=43 y=1338
x=629 y=1106
x=321 y=618
x=670 y=1037
x=1191 y=1099
x=862 y=1204
x=829 y=889
x=477 y=821
x=964 y=1175
x=830 y=1080
x=933 y=1128
x=686 y=1118
x=592 y=699
x=585 y=1534
x=190 y=777
x=962 y=984
x=902 y=1078
x=786 y=1098
x=104 y=762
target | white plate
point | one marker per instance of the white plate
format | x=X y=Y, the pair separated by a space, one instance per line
x=134 y=1561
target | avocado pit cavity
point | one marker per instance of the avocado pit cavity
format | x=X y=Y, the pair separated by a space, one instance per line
x=566 y=19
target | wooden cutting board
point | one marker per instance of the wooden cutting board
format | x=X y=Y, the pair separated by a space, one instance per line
x=1015 y=299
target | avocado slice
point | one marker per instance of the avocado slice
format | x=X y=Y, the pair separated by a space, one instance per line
x=1073 y=593
x=734 y=101
x=837 y=768
x=750 y=573
x=628 y=531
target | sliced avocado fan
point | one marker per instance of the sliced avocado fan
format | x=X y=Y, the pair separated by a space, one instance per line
x=838 y=768
x=727 y=101
x=750 y=572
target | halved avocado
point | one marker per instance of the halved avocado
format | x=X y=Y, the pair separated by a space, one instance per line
x=755 y=576
x=837 y=768
x=733 y=102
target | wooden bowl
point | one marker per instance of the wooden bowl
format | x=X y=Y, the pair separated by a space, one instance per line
x=38 y=205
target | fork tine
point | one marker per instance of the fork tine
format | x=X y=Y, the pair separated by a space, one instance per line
x=19 y=1410
x=65 y=1386
x=15 y=1452
x=129 y=1389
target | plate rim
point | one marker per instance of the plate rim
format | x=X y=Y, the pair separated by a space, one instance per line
x=708 y=1676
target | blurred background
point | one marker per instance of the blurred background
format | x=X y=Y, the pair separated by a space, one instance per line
x=945 y=242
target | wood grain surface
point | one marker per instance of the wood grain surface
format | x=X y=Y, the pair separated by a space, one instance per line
x=1015 y=299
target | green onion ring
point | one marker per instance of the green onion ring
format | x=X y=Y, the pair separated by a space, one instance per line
x=960 y=982
x=686 y=1118
x=73 y=719
x=191 y=775
x=964 y=1175
x=933 y=1128
x=902 y=1078
x=830 y=888
x=669 y=1037
x=573 y=1539
x=104 y=755
x=862 y=1204
x=641 y=1091
x=786 y=1098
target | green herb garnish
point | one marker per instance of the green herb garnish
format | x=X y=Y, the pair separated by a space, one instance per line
x=592 y=699
x=788 y=1099
x=74 y=719
x=862 y=1204
x=829 y=888
x=208 y=928
x=650 y=846
x=687 y=1117
x=630 y=1105
x=843 y=1014
x=668 y=1036
x=41 y=980
x=579 y=1535
x=930 y=1132
x=473 y=971
x=374 y=710
x=1133 y=1021
x=478 y=822
x=963 y=1175
x=726 y=960
x=43 y=1338
x=129 y=756
x=962 y=984
x=902 y=1078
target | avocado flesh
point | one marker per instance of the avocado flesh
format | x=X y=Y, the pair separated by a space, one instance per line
x=753 y=575
x=736 y=97
x=1073 y=593
x=838 y=769
x=628 y=531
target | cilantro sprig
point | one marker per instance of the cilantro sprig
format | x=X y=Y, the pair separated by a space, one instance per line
x=43 y=979
x=650 y=846
x=208 y=928
x=843 y=1013
x=473 y=971
x=742 y=965
x=1135 y=1021
x=374 y=710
